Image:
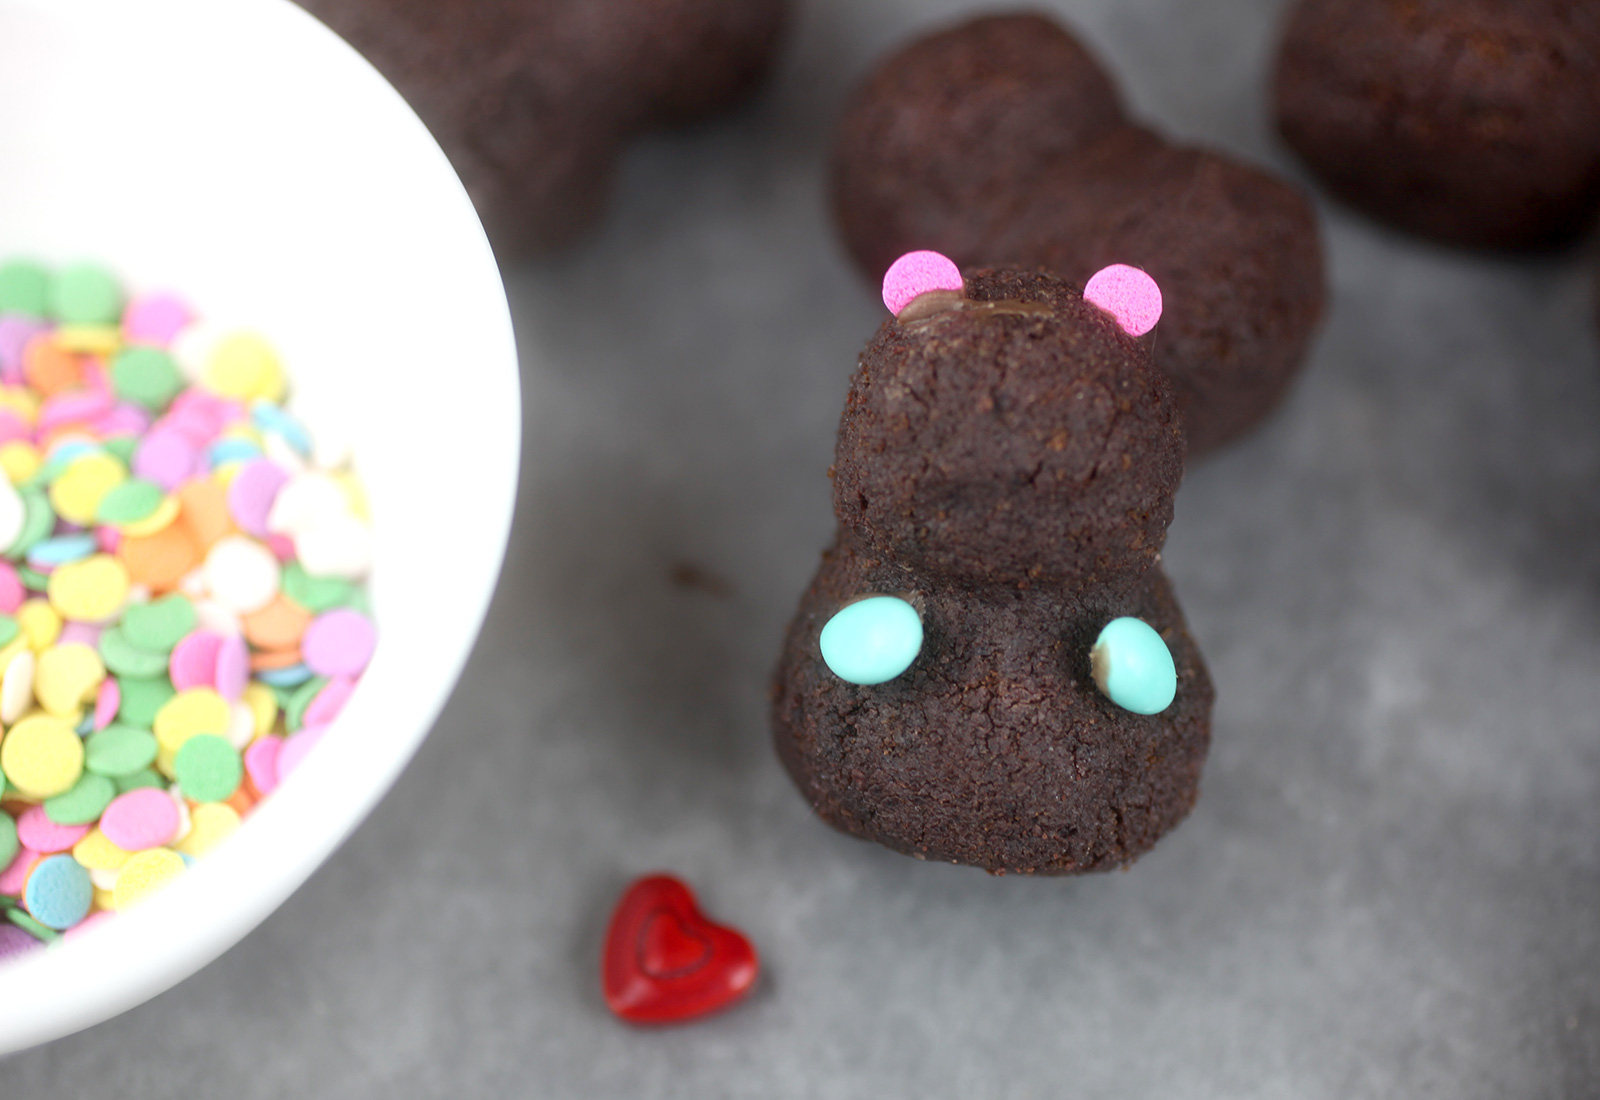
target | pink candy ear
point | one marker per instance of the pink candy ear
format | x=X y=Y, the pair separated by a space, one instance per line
x=917 y=273
x=1128 y=294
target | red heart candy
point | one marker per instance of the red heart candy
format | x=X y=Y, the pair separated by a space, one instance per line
x=665 y=961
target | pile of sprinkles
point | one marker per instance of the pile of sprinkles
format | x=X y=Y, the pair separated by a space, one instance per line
x=181 y=609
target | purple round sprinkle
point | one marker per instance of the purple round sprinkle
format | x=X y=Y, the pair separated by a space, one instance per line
x=251 y=493
x=166 y=458
x=338 y=643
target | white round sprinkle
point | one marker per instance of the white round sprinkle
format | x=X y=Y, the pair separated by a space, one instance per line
x=193 y=583
x=241 y=574
x=308 y=499
x=13 y=513
x=192 y=347
x=16 y=688
x=341 y=547
x=212 y=616
x=241 y=725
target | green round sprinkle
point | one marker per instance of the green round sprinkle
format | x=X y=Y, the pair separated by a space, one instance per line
x=39 y=519
x=160 y=624
x=141 y=698
x=130 y=502
x=145 y=777
x=119 y=750
x=208 y=768
x=32 y=579
x=121 y=446
x=22 y=920
x=294 y=711
x=24 y=288
x=9 y=628
x=872 y=641
x=1133 y=666
x=126 y=659
x=146 y=376
x=8 y=839
x=85 y=294
x=84 y=803
x=316 y=594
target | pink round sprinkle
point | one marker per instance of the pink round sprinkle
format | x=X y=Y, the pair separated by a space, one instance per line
x=155 y=319
x=11 y=591
x=232 y=668
x=201 y=416
x=165 y=457
x=1128 y=294
x=329 y=702
x=75 y=407
x=251 y=493
x=39 y=834
x=16 y=872
x=261 y=763
x=109 y=537
x=143 y=818
x=917 y=273
x=96 y=378
x=338 y=643
x=194 y=660
x=76 y=633
x=124 y=419
x=12 y=427
x=107 y=702
x=282 y=547
x=295 y=748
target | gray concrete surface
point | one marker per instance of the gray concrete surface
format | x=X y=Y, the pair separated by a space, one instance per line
x=1389 y=888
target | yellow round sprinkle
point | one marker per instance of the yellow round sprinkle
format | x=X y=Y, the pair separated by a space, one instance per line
x=223 y=475
x=144 y=873
x=263 y=707
x=10 y=650
x=40 y=623
x=210 y=823
x=103 y=340
x=97 y=853
x=68 y=677
x=355 y=493
x=104 y=901
x=188 y=714
x=21 y=401
x=41 y=757
x=78 y=491
x=89 y=591
x=167 y=762
x=159 y=520
x=246 y=367
x=19 y=461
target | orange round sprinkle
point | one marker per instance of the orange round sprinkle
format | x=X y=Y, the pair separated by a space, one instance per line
x=160 y=560
x=241 y=801
x=279 y=625
x=275 y=658
x=205 y=511
x=48 y=368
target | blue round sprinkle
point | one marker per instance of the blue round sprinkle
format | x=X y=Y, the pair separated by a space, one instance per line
x=1133 y=666
x=270 y=418
x=872 y=640
x=224 y=451
x=58 y=893
x=293 y=676
x=62 y=549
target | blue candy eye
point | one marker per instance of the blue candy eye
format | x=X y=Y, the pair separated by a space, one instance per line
x=872 y=640
x=1133 y=666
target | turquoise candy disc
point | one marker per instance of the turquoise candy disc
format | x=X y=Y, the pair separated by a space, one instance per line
x=1133 y=666
x=872 y=640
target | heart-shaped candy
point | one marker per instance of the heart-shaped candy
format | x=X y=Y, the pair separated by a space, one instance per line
x=665 y=961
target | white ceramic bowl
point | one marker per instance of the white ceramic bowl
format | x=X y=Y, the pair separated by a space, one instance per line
x=238 y=152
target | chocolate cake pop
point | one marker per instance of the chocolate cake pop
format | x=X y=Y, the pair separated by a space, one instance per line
x=1002 y=141
x=533 y=99
x=1473 y=122
x=990 y=667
